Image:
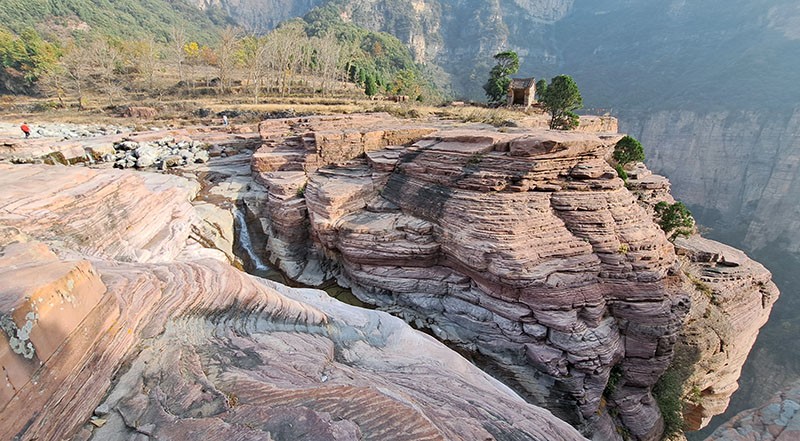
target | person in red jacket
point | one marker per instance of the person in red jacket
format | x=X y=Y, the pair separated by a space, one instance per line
x=25 y=129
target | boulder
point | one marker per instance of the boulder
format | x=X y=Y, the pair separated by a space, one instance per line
x=141 y=112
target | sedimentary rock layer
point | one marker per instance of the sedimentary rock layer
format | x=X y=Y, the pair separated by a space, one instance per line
x=120 y=314
x=522 y=246
x=732 y=298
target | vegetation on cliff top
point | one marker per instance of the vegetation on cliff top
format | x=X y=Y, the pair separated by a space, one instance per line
x=496 y=86
x=560 y=98
x=306 y=56
x=627 y=150
x=675 y=219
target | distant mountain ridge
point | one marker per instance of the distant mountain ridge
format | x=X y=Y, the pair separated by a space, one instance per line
x=119 y=18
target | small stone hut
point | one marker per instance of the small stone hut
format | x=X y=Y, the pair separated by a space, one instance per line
x=521 y=92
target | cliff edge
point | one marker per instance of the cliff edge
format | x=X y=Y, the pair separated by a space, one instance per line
x=523 y=248
x=118 y=324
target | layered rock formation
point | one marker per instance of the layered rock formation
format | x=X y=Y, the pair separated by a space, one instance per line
x=776 y=420
x=522 y=247
x=731 y=300
x=111 y=307
x=507 y=244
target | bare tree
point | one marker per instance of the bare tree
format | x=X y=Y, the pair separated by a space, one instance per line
x=73 y=73
x=286 y=53
x=104 y=60
x=229 y=43
x=255 y=57
x=143 y=57
x=52 y=83
x=327 y=55
x=176 y=52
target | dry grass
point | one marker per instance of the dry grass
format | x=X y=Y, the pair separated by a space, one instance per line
x=181 y=111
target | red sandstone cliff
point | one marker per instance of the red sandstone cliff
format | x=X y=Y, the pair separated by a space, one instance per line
x=523 y=247
x=110 y=306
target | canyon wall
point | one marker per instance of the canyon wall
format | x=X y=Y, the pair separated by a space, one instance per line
x=522 y=247
x=740 y=170
x=119 y=322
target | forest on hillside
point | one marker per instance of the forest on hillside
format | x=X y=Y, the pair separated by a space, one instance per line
x=317 y=55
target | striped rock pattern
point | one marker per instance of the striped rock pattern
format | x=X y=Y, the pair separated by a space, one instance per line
x=732 y=297
x=523 y=247
x=777 y=420
x=120 y=314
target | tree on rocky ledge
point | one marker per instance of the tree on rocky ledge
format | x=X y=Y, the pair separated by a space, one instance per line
x=627 y=150
x=560 y=98
x=675 y=219
x=496 y=87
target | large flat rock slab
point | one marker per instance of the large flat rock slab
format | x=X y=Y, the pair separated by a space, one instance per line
x=115 y=327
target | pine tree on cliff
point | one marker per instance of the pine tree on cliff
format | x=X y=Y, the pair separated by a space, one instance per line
x=560 y=99
x=497 y=86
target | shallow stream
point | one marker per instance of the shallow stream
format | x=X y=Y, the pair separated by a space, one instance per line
x=253 y=264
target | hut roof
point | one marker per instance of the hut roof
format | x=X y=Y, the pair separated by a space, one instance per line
x=522 y=83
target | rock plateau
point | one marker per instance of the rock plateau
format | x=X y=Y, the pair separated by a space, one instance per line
x=522 y=247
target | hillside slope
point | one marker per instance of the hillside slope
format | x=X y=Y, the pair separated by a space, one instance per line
x=120 y=18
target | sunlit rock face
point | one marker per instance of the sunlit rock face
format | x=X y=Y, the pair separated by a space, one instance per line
x=112 y=307
x=524 y=247
x=732 y=297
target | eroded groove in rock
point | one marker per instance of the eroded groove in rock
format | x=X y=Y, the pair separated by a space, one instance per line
x=175 y=344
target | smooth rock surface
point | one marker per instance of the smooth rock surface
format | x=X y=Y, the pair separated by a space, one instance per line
x=138 y=334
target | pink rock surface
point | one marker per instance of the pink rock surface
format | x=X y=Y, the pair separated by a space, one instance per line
x=132 y=217
x=159 y=342
x=777 y=420
x=523 y=247
x=731 y=300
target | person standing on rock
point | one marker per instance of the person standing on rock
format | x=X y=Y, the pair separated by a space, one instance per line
x=25 y=129
x=225 y=120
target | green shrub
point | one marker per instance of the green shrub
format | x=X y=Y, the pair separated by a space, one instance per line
x=628 y=150
x=675 y=219
x=668 y=393
x=613 y=380
x=621 y=172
